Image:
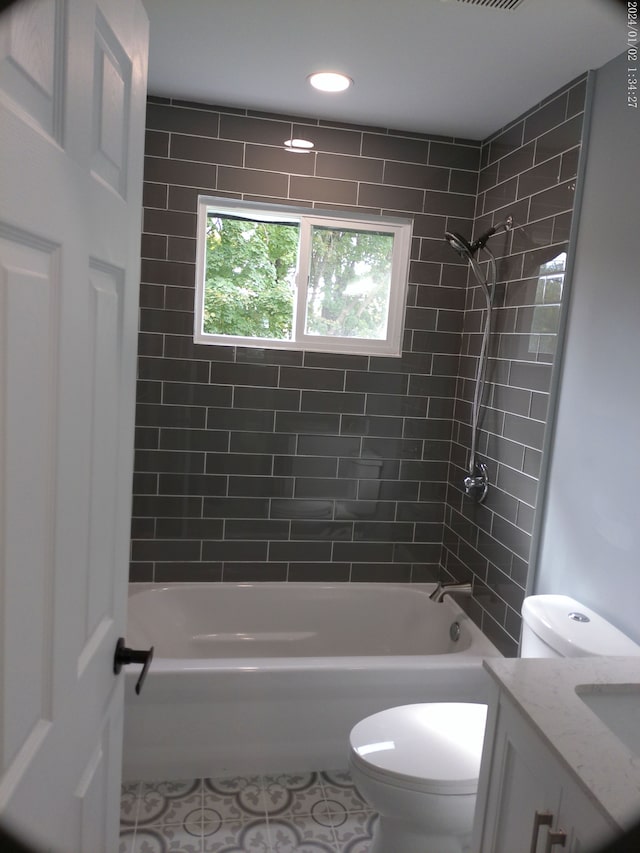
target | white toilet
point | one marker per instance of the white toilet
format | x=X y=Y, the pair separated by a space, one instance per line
x=418 y=765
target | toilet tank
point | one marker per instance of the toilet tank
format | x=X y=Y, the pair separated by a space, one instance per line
x=559 y=626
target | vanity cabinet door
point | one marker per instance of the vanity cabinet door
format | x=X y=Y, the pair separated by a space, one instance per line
x=523 y=795
x=527 y=801
x=587 y=829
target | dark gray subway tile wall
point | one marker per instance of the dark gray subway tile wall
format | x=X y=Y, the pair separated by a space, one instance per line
x=259 y=464
x=528 y=169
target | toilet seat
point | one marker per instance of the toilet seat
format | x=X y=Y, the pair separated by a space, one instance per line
x=433 y=747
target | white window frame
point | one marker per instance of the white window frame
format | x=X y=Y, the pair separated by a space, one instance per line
x=400 y=228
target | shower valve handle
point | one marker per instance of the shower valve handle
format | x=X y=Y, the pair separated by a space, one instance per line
x=125 y=656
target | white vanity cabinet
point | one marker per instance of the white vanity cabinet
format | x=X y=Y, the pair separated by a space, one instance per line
x=528 y=802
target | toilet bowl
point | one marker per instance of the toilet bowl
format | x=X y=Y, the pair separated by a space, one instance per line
x=422 y=779
x=418 y=765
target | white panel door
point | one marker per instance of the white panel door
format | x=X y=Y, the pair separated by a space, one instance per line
x=72 y=106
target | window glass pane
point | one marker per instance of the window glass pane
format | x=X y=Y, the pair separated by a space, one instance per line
x=249 y=277
x=349 y=283
x=546 y=312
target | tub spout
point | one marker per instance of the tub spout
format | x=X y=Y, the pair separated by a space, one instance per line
x=443 y=589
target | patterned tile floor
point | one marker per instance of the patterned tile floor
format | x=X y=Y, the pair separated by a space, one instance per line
x=285 y=813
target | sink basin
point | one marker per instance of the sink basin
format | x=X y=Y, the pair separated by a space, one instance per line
x=618 y=707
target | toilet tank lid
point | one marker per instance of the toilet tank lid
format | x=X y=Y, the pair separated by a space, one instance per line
x=553 y=619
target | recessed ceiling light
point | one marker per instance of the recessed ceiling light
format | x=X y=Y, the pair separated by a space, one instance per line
x=330 y=81
x=298 y=146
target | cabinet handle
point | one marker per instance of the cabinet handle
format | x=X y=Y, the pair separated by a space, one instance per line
x=540 y=819
x=555 y=838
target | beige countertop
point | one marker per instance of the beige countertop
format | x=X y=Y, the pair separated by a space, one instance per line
x=544 y=690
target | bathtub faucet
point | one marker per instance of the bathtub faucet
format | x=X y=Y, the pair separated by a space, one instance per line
x=443 y=589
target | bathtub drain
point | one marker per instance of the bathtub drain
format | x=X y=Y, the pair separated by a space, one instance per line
x=454 y=631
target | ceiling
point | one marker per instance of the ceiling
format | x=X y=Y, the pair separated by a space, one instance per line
x=446 y=67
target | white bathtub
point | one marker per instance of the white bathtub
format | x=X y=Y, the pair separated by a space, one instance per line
x=271 y=677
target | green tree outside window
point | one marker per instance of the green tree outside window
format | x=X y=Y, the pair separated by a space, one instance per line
x=249 y=281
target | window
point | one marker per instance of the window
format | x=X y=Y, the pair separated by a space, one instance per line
x=546 y=311
x=270 y=276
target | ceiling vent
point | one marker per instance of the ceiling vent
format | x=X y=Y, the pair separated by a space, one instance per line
x=507 y=5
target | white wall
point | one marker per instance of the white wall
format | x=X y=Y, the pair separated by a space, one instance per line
x=590 y=539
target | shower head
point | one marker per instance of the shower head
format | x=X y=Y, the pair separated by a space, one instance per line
x=468 y=250
x=459 y=244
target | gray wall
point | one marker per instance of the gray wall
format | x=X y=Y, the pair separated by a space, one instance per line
x=257 y=464
x=590 y=544
x=528 y=170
